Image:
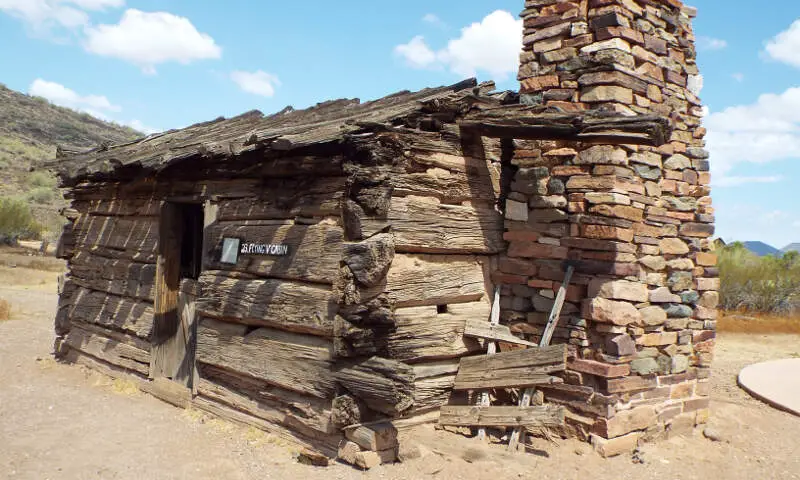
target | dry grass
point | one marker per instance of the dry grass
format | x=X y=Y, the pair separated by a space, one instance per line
x=732 y=322
x=5 y=310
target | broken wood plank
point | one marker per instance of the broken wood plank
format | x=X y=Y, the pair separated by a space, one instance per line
x=113 y=312
x=512 y=369
x=486 y=416
x=376 y=437
x=491 y=349
x=417 y=280
x=111 y=351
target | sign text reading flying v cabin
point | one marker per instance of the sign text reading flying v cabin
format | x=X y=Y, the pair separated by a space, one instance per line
x=264 y=249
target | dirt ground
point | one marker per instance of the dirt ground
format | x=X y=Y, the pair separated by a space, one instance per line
x=64 y=422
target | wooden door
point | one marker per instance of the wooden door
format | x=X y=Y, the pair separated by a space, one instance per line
x=174 y=327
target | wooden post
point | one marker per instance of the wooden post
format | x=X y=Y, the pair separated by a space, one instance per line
x=547 y=335
x=494 y=319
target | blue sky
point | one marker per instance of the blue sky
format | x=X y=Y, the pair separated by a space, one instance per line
x=167 y=64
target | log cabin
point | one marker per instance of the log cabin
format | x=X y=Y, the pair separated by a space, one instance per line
x=315 y=270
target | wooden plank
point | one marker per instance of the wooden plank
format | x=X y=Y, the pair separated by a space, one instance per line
x=314 y=250
x=165 y=361
x=547 y=335
x=511 y=369
x=423 y=225
x=380 y=436
x=386 y=386
x=112 y=311
x=301 y=363
x=418 y=280
x=119 y=205
x=481 y=329
x=491 y=349
x=433 y=392
x=483 y=416
x=290 y=306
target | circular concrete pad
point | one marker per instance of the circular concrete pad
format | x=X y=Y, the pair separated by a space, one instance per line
x=776 y=383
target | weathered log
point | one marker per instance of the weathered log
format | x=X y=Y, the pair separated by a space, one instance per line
x=288 y=198
x=111 y=351
x=427 y=333
x=418 y=280
x=423 y=225
x=291 y=306
x=137 y=234
x=386 y=386
x=271 y=411
x=433 y=392
x=352 y=454
x=112 y=311
x=117 y=277
x=119 y=205
x=521 y=122
x=370 y=259
x=380 y=436
x=300 y=363
x=528 y=417
x=519 y=368
x=326 y=444
x=314 y=250
x=347 y=410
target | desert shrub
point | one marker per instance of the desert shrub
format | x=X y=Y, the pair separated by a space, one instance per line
x=41 y=179
x=16 y=221
x=42 y=195
x=751 y=283
x=5 y=310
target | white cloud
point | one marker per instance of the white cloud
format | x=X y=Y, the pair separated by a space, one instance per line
x=42 y=15
x=140 y=126
x=431 y=18
x=258 y=82
x=785 y=47
x=96 y=105
x=710 y=43
x=417 y=53
x=762 y=132
x=96 y=4
x=491 y=45
x=148 y=39
x=735 y=181
x=739 y=77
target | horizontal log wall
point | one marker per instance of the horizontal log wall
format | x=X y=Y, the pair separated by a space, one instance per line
x=363 y=318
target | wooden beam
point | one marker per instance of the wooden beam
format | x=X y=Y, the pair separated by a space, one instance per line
x=521 y=368
x=522 y=122
x=529 y=417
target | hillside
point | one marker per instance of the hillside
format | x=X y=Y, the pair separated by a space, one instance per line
x=761 y=249
x=30 y=130
x=792 y=247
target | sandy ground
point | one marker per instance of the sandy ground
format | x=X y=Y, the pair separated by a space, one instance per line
x=63 y=422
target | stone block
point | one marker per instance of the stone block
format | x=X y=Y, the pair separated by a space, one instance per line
x=697 y=230
x=607 y=198
x=677 y=310
x=517 y=211
x=663 y=295
x=630 y=384
x=607 y=93
x=709 y=300
x=610 y=311
x=536 y=250
x=679 y=281
x=626 y=421
x=653 y=316
x=602 y=155
x=653 y=262
x=706 y=259
x=705 y=284
x=620 y=345
x=619 y=211
x=657 y=339
x=606 y=232
x=673 y=246
x=644 y=366
x=615 y=446
x=618 y=290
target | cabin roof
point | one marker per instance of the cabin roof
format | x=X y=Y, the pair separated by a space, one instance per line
x=492 y=114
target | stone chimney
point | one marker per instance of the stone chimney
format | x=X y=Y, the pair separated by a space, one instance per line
x=636 y=221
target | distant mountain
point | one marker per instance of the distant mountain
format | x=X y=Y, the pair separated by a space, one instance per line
x=761 y=249
x=791 y=247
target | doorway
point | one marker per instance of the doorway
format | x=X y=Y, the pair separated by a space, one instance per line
x=180 y=253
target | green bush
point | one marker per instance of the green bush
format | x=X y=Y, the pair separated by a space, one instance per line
x=756 y=284
x=16 y=221
x=41 y=179
x=42 y=195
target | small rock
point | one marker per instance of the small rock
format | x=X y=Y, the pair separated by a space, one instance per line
x=712 y=434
